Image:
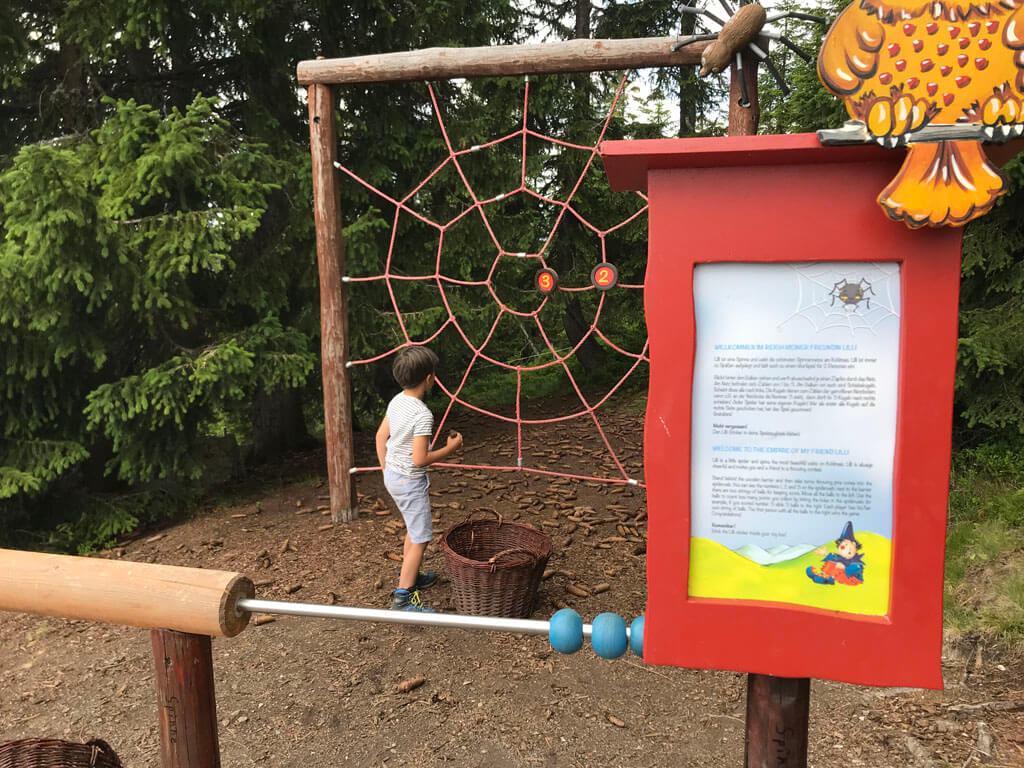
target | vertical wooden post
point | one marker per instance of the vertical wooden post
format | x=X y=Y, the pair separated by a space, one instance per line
x=330 y=252
x=777 y=707
x=777 y=711
x=743 y=120
x=188 y=709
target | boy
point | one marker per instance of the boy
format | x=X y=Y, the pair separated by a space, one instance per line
x=403 y=448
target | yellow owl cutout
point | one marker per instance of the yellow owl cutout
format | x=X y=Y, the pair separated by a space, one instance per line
x=926 y=75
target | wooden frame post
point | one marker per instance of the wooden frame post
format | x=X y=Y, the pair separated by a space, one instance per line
x=777 y=707
x=330 y=252
x=777 y=714
x=743 y=121
x=183 y=665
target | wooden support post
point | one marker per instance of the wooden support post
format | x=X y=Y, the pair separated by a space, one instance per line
x=330 y=252
x=743 y=120
x=777 y=707
x=777 y=711
x=188 y=708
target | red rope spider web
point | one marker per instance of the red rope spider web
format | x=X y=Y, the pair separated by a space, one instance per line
x=479 y=207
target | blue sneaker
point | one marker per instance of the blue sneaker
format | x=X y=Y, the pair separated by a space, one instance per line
x=405 y=600
x=425 y=580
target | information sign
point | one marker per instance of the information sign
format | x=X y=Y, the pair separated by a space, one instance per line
x=794 y=428
x=798 y=425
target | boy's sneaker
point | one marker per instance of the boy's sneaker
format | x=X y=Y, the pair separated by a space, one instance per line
x=425 y=580
x=406 y=600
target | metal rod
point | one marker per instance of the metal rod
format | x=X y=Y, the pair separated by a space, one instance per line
x=348 y=613
x=855 y=132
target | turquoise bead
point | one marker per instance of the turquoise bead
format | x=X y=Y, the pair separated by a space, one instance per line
x=608 y=635
x=565 y=631
x=636 y=636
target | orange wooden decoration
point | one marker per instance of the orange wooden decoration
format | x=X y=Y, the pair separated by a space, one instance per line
x=903 y=66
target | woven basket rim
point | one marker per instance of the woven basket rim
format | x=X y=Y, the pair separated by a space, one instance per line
x=99 y=752
x=543 y=552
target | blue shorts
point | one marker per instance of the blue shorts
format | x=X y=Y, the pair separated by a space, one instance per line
x=413 y=501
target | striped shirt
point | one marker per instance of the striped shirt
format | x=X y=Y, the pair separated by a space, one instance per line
x=408 y=417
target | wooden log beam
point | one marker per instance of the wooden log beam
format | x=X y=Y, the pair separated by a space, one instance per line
x=183 y=665
x=145 y=595
x=531 y=59
x=330 y=256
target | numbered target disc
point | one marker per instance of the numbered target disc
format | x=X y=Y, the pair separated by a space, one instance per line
x=546 y=280
x=604 y=276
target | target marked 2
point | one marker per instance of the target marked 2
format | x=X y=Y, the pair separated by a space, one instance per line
x=604 y=276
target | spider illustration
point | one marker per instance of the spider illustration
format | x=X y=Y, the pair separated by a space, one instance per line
x=743 y=29
x=852 y=294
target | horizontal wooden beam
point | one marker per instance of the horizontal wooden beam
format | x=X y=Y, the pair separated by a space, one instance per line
x=498 y=60
x=148 y=595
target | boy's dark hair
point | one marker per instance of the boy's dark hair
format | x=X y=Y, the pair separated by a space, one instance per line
x=412 y=366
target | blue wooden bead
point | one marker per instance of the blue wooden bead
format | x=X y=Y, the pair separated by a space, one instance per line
x=565 y=631
x=636 y=636
x=608 y=635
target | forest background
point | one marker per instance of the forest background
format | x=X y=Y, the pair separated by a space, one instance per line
x=159 y=310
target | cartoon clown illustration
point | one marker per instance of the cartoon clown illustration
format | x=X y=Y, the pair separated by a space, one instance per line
x=843 y=567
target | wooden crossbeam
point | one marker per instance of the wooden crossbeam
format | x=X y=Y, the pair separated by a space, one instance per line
x=583 y=55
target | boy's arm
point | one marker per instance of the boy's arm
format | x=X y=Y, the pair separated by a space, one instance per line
x=383 y=433
x=422 y=456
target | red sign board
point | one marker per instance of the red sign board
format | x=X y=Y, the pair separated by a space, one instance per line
x=798 y=424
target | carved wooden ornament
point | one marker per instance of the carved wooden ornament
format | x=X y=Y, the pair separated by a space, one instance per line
x=941 y=78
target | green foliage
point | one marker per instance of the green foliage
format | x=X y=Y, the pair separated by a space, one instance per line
x=159 y=282
x=122 y=328
x=30 y=465
x=102 y=518
x=990 y=371
x=984 y=549
x=810 y=106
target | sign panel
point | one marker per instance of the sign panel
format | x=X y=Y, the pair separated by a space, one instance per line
x=798 y=426
x=794 y=427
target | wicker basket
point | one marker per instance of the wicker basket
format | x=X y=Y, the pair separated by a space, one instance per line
x=495 y=566
x=53 y=753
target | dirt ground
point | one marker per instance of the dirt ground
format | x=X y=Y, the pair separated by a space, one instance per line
x=318 y=693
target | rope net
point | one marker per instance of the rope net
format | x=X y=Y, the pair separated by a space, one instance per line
x=480 y=207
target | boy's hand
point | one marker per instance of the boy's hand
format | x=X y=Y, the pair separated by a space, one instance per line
x=454 y=441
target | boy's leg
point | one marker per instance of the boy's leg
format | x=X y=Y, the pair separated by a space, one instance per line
x=413 y=501
x=412 y=558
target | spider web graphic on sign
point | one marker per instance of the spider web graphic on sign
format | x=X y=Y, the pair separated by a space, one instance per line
x=483 y=207
x=857 y=297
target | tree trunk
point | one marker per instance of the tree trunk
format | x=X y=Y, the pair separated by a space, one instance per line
x=278 y=426
x=74 y=110
x=179 y=41
x=582 y=28
x=590 y=354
